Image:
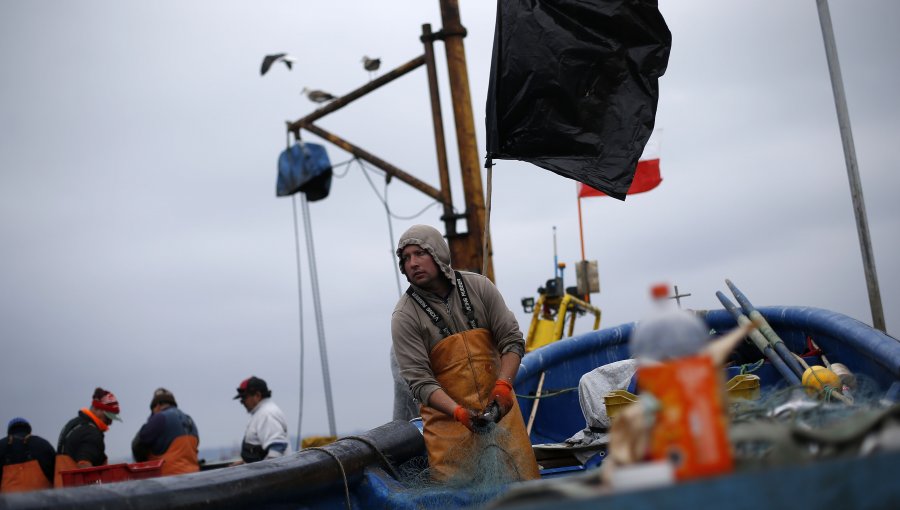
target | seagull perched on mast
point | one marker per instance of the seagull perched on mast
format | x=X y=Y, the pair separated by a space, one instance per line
x=276 y=57
x=371 y=64
x=318 y=96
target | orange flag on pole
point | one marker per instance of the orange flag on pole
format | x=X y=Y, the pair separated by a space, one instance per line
x=646 y=175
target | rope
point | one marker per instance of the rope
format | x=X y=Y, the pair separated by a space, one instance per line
x=749 y=368
x=343 y=474
x=384 y=459
x=387 y=211
x=487 y=219
x=342 y=163
x=547 y=394
x=384 y=200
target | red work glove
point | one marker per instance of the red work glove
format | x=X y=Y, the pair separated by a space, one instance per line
x=504 y=397
x=463 y=416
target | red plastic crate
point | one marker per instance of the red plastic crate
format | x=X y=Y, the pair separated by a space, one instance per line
x=111 y=473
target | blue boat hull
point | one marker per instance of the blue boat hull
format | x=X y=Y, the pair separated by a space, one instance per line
x=864 y=350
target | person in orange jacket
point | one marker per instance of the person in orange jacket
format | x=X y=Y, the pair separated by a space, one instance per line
x=81 y=440
x=28 y=460
x=169 y=434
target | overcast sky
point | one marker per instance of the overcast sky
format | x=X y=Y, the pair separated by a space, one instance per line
x=142 y=245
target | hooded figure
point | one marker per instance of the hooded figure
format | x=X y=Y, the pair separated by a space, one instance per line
x=459 y=347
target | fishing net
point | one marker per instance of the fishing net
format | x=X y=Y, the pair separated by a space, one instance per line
x=795 y=425
x=484 y=473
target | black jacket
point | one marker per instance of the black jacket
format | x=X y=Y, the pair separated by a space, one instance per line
x=17 y=449
x=82 y=440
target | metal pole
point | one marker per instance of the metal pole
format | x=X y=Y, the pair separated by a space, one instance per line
x=300 y=308
x=375 y=160
x=856 y=193
x=440 y=144
x=356 y=94
x=320 y=327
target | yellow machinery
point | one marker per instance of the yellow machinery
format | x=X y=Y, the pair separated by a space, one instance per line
x=553 y=308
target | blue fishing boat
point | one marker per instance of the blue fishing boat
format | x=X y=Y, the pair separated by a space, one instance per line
x=372 y=470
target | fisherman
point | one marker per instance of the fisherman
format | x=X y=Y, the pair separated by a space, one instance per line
x=266 y=436
x=169 y=434
x=458 y=346
x=28 y=460
x=81 y=440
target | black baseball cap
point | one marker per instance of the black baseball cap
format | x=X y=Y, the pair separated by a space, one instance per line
x=250 y=385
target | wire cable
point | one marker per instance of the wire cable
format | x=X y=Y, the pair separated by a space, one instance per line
x=384 y=200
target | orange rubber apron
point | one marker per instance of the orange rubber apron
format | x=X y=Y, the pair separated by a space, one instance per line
x=63 y=463
x=466 y=365
x=180 y=457
x=25 y=476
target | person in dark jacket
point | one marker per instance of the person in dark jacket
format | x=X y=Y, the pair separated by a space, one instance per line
x=28 y=460
x=169 y=434
x=81 y=440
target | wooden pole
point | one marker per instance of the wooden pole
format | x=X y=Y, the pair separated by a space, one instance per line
x=537 y=400
x=856 y=192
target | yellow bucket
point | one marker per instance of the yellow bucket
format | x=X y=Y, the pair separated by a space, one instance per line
x=743 y=386
x=617 y=400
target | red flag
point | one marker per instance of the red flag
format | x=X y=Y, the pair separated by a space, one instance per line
x=646 y=175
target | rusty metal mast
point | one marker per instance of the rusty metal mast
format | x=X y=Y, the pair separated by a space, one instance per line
x=466 y=248
x=469 y=250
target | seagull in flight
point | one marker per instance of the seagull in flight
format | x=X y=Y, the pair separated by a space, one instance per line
x=318 y=96
x=276 y=57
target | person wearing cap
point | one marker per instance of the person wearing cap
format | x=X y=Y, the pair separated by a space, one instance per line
x=81 y=439
x=28 y=460
x=267 y=434
x=458 y=347
x=169 y=434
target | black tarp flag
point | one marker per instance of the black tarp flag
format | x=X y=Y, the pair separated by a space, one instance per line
x=304 y=167
x=574 y=86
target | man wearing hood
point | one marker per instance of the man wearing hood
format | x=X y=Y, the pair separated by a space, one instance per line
x=459 y=347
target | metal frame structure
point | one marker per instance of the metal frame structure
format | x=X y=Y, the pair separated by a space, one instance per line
x=466 y=248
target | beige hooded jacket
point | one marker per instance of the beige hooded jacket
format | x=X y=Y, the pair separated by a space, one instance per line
x=414 y=335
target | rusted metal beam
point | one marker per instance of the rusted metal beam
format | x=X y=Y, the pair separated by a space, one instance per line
x=375 y=160
x=348 y=98
x=470 y=167
x=439 y=140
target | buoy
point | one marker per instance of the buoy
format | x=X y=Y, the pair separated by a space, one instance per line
x=817 y=377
